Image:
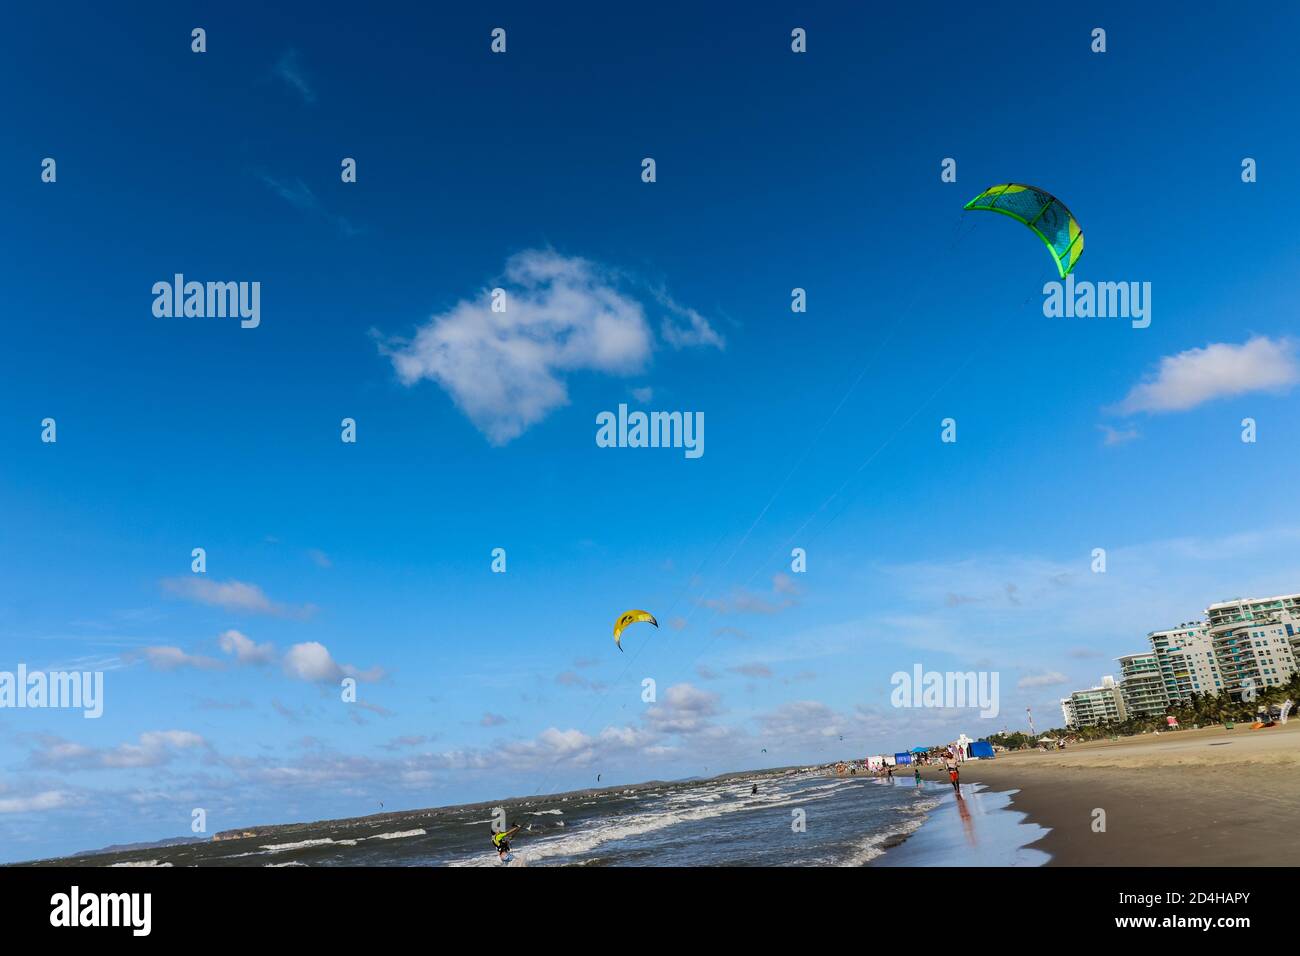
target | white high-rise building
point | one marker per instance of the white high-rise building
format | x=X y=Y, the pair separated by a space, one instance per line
x=1103 y=704
x=1244 y=644
x=1142 y=685
x=1256 y=640
x=1253 y=655
x=1284 y=609
x=1186 y=658
x=1067 y=711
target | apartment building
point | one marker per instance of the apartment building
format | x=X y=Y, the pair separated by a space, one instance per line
x=1103 y=704
x=1254 y=655
x=1243 y=644
x=1284 y=609
x=1185 y=655
x=1142 y=685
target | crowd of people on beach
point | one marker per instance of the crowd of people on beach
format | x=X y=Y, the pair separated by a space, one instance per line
x=885 y=769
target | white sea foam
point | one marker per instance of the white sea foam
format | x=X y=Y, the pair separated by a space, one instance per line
x=588 y=838
x=397 y=835
x=139 y=863
x=873 y=845
x=300 y=845
x=327 y=841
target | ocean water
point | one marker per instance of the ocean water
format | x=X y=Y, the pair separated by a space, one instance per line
x=847 y=821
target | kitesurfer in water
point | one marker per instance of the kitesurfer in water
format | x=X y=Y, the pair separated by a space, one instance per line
x=753 y=790
x=501 y=841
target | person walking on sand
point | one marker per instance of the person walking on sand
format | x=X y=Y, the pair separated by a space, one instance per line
x=955 y=776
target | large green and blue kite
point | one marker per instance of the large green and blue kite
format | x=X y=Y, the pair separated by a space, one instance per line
x=1041 y=212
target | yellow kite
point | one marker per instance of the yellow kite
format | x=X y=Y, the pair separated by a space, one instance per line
x=631 y=617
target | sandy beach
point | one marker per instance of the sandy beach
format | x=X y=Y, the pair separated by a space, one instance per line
x=1210 y=797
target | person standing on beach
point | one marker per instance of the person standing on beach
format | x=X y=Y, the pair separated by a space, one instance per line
x=955 y=776
x=916 y=772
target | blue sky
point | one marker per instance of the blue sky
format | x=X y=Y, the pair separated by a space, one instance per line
x=476 y=431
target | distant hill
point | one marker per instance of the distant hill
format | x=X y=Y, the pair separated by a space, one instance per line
x=156 y=844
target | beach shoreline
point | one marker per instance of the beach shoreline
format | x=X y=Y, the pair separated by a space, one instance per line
x=982 y=830
x=1208 y=797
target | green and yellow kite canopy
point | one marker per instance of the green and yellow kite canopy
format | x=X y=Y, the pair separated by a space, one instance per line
x=1041 y=212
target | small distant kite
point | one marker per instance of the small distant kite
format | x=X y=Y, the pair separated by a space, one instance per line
x=1043 y=213
x=631 y=617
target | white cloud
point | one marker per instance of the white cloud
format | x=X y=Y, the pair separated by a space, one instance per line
x=45 y=800
x=311 y=661
x=173 y=658
x=1219 y=370
x=782 y=583
x=550 y=747
x=684 y=709
x=1118 y=436
x=230 y=596
x=155 y=748
x=245 y=651
x=802 y=722
x=507 y=370
x=688 y=329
